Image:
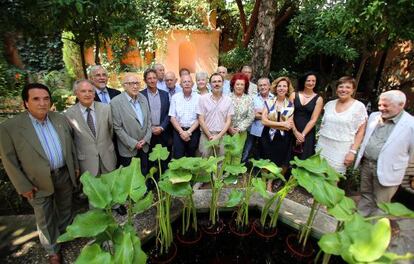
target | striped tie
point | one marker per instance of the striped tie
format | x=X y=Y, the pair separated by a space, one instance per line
x=89 y=120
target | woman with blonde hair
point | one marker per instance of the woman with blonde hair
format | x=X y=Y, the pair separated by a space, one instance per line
x=277 y=117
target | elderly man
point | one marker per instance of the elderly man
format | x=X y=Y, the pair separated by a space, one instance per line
x=256 y=128
x=160 y=72
x=226 y=83
x=132 y=123
x=171 y=83
x=386 y=149
x=186 y=134
x=214 y=115
x=92 y=130
x=39 y=157
x=248 y=71
x=99 y=77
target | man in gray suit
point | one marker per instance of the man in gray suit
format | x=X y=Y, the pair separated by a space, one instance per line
x=92 y=130
x=39 y=157
x=132 y=123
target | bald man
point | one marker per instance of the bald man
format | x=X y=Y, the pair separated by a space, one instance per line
x=171 y=83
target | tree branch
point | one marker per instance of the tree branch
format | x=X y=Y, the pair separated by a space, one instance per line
x=252 y=23
x=242 y=16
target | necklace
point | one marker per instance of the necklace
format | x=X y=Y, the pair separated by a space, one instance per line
x=307 y=96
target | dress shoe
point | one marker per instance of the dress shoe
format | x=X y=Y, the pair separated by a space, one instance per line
x=121 y=210
x=55 y=258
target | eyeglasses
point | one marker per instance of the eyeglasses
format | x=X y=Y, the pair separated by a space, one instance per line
x=131 y=83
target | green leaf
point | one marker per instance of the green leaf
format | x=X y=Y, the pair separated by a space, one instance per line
x=390 y=257
x=325 y=193
x=396 y=209
x=132 y=182
x=178 y=190
x=304 y=179
x=159 y=153
x=211 y=143
x=124 y=250
x=344 y=210
x=188 y=163
x=139 y=255
x=330 y=244
x=178 y=175
x=98 y=192
x=260 y=187
x=205 y=177
x=314 y=164
x=235 y=169
x=371 y=249
x=235 y=198
x=266 y=164
x=88 y=224
x=143 y=204
x=230 y=179
x=93 y=254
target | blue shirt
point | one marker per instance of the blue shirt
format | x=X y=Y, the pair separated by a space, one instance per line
x=49 y=139
x=137 y=108
x=257 y=127
x=104 y=96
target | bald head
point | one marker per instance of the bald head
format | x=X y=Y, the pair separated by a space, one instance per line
x=170 y=80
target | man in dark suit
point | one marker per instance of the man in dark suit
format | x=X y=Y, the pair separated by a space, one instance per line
x=39 y=157
x=159 y=105
x=99 y=76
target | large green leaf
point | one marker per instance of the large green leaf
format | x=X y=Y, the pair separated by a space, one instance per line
x=211 y=143
x=343 y=210
x=159 y=153
x=178 y=175
x=266 y=165
x=325 y=193
x=314 y=164
x=233 y=145
x=112 y=179
x=88 y=224
x=304 y=179
x=260 y=187
x=132 y=182
x=143 y=204
x=396 y=209
x=139 y=255
x=97 y=191
x=202 y=177
x=93 y=254
x=372 y=249
x=235 y=169
x=330 y=244
x=230 y=179
x=178 y=190
x=390 y=257
x=124 y=249
x=188 y=163
x=210 y=165
x=235 y=198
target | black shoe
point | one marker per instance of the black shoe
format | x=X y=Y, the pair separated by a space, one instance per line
x=121 y=210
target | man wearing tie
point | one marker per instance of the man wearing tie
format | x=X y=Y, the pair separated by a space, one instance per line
x=132 y=123
x=39 y=157
x=92 y=130
x=99 y=77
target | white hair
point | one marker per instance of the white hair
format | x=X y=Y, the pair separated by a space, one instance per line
x=201 y=75
x=77 y=83
x=395 y=96
x=264 y=79
x=94 y=68
x=157 y=66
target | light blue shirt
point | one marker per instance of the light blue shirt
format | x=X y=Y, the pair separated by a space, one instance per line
x=162 y=85
x=104 y=96
x=137 y=108
x=226 y=87
x=256 y=128
x=49 y=139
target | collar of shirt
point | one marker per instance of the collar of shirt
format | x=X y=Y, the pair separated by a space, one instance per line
x=130 y=98
x=102 y=91
x=36 y=121
x=394 y=120
x=151 y=93
x=83 y=108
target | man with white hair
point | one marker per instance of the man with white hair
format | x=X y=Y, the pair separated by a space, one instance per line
x=99 y=77
x=385 y=152
x=248 y=71
x=226 y=83
x=160 y=72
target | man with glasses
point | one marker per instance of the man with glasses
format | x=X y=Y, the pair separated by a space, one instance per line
x=132 y=123
x=99 y=77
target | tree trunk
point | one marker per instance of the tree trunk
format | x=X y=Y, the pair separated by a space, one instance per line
x=82 y=54
x=97 y=42
x=365 y=56
x=380 y=68
x=11 y=51
x=263 y=39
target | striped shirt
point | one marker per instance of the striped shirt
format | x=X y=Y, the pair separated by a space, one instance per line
x=49 y=139
x=215 y=112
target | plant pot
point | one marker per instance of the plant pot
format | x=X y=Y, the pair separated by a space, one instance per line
x=240 y=232
x=213 y=230
x=293 y=246
x=165 y=258
x=191 y=237
x=264 y=232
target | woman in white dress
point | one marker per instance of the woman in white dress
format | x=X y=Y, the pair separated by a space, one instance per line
x=343 y=126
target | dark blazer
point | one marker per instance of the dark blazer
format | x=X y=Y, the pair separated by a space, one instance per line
x=165 y=107
x=111 y=92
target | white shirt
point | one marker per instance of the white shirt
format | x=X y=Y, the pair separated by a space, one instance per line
x=184 y=108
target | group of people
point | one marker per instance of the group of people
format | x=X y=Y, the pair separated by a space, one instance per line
x=44 y=152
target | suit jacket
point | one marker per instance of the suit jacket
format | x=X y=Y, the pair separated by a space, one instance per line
x=24 y=159
x=88 y=147
x=111 y=92
x=127 y=127
x=397 y=151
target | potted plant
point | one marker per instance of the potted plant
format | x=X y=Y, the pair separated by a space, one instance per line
x=124 y=185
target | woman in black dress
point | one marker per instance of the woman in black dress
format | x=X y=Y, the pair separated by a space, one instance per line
x=308 y=106
x=277 y=118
